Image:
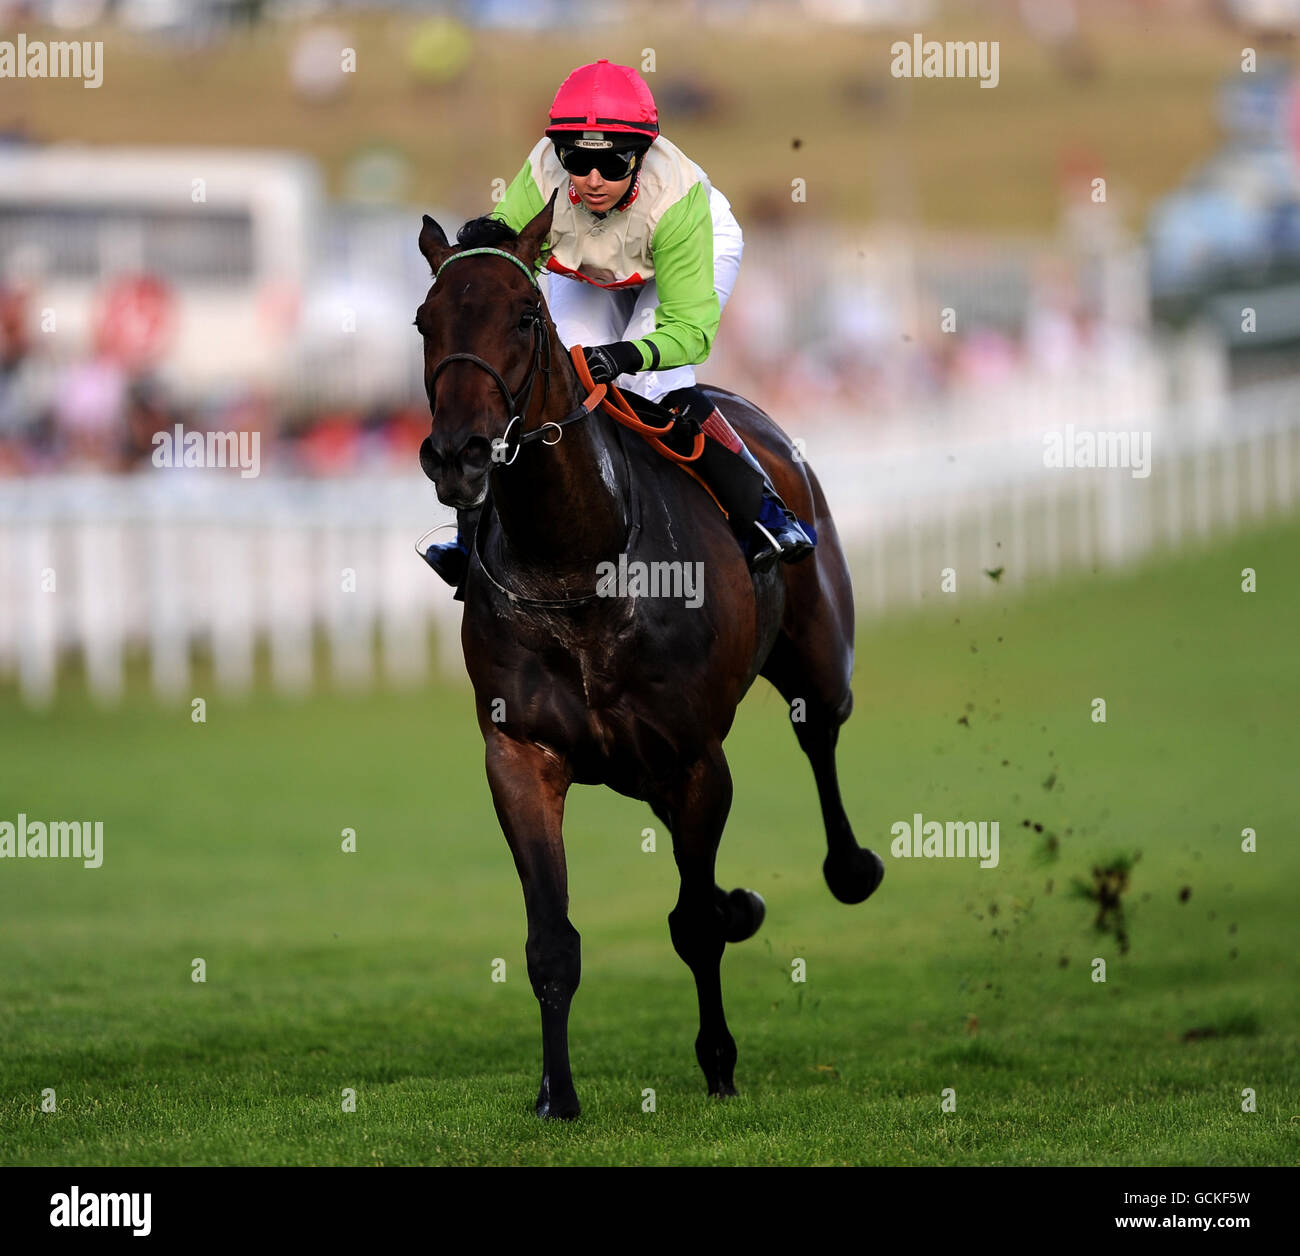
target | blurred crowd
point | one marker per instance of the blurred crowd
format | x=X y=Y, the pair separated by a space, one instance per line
x=95 y=414
x=851 y=351
x=872 y=343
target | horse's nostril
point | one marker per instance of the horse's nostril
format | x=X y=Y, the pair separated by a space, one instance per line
x=430 y=463
x=476 y=453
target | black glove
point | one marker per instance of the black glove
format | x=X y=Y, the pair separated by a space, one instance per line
x=607 y=362
x=692 y=408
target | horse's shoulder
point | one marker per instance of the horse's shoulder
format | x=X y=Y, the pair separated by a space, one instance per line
x=661 y=486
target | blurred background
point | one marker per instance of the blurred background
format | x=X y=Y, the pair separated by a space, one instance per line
x=223 y=235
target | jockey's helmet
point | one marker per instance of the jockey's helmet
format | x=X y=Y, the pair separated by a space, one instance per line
x=603 y=117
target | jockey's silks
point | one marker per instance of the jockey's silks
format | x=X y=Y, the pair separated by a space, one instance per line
x=662 y=230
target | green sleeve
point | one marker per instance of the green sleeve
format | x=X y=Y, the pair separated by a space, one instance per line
x=521 y=204
x=686 y=320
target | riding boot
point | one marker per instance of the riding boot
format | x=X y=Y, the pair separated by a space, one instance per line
x=764 y=526
x=451 y=559
x=781 y=534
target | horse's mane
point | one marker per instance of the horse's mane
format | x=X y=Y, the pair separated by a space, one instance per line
x=486 y=231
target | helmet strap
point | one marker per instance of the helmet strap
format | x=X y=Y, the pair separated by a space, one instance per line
x=631 y=187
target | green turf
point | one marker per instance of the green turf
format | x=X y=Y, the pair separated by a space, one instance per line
x=371 y=970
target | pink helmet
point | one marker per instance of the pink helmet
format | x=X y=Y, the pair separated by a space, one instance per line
x=604 y=102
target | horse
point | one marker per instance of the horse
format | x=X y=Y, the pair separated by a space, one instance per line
x=636 y=693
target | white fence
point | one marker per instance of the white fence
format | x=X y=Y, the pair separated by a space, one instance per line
x=991 y=503
x=192 y=569
x=198 y=575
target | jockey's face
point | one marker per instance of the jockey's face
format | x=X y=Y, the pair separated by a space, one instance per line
x=598 y=193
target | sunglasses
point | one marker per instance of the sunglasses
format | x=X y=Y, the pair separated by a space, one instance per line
x=612 y=165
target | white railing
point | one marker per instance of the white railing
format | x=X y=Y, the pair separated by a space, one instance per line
x=987 y=503
x=207 y=578
x=180 y=565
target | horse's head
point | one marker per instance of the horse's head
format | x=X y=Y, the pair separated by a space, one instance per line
x=486 y=307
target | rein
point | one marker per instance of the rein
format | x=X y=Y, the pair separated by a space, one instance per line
x=621 y=412
x=607 y=396
x=517 y=404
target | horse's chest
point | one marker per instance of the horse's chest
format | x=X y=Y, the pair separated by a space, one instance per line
x=615 y=700
x=618 y=695
x=593 y=679
x=600 y=680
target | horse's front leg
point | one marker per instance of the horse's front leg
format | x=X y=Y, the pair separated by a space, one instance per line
x=528 y=790
x=699 y=922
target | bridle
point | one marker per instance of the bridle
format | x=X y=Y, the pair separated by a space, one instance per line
x=518 y=403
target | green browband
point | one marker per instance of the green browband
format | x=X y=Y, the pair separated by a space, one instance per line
x=510 y=257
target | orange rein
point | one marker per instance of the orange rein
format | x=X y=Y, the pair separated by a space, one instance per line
x=615 y=405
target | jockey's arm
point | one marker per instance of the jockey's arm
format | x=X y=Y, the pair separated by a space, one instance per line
x=688 y=313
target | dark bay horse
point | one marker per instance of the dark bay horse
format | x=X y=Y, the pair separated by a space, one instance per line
x=634 y=692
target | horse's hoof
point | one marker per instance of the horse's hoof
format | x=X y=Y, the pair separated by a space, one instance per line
x=745 y=912
x=727 y=1091
x=556 y=1107
x=562 y=1110
x=855 y=877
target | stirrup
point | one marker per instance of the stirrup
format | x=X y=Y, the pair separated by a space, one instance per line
x=450 y=559
x=792 y=540
x=799 y=542
x=765 y=558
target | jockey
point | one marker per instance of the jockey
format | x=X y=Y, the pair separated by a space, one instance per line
x=643 y=253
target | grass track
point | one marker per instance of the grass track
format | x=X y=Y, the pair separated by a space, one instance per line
x=371 y=971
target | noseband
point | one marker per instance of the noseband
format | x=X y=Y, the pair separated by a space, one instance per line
x=517 y=404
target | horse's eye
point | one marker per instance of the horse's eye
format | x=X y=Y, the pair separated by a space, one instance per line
x=526 y=320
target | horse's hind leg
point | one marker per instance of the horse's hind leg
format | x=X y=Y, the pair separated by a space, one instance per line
x=528 y=790
x=815 y=682
x=700 y=923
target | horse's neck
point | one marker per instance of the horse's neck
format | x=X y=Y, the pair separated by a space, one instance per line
x=563 y=506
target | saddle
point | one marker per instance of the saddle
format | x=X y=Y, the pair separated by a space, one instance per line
x=734 y=487
x=679 y=440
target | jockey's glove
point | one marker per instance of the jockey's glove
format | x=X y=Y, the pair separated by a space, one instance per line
x=607 y=362
x=691 y=406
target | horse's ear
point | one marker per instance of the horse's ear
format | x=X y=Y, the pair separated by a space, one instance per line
x=534 y=235
x=433 y=242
